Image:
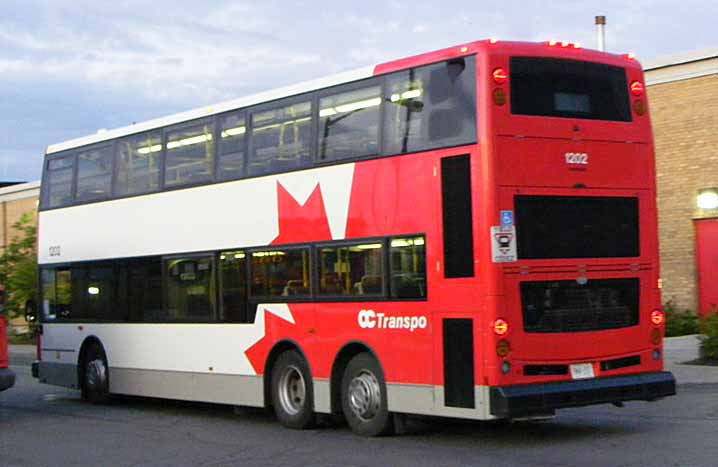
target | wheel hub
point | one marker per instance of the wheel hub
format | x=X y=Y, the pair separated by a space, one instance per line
x=96 y=374
x=364 y=395
x=292 y=390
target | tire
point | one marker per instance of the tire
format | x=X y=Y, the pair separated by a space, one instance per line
x=292 y=391
x=95 y=376
x=364 y=400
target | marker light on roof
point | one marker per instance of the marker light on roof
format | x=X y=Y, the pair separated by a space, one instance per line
x=493 y=40
x=464 y=49
x=552 y=43
x=577 y=46
x=565 y=44
x=630 y=55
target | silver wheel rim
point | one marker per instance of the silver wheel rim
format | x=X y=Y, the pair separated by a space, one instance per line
x=96 y=374
x=292 y=390
x=364 y=395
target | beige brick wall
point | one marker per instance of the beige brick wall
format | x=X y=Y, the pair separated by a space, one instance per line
x=10 y=213
x=685 y=128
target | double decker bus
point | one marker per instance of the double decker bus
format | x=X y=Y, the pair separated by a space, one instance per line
x=467 y=233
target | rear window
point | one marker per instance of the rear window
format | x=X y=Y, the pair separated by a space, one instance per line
x=568 y=88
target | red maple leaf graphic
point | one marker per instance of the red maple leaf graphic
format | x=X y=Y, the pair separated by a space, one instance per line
x=275 y=328
x=301 y=223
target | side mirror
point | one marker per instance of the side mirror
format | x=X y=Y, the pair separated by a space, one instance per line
x=30 y=312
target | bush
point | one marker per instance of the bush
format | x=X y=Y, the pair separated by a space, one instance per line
x=680 y=323
x=708 y=350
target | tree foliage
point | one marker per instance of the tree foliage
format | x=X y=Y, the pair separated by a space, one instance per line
x=18 y=266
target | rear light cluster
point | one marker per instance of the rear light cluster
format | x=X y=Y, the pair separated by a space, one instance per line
x=499 y=76
x=500 y=327
x=658 y=318
x=639 y=105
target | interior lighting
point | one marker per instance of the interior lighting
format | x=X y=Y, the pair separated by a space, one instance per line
x=399 y=242
x=369 y=246
x=149 y=149
x=350 y=107
x=411 y=94
x=707 y=198
x=236 y=131
x=93 y=290
x=189 y=141
x=261 y=254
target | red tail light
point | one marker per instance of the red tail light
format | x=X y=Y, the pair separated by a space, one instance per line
x=500 y=75
x=637 y=88
x=500 y=327
x=657 y=317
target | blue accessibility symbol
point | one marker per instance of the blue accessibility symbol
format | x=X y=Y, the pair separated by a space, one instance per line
x=507 y=218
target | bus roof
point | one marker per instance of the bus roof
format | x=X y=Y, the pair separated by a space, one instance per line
x=329 y=81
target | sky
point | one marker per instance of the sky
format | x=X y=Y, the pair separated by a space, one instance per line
x=71 y=67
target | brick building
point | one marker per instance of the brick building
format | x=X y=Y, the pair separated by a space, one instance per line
x=683 y=96
x=16 y=200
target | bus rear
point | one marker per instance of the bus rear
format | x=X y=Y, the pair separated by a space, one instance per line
x=570 y=251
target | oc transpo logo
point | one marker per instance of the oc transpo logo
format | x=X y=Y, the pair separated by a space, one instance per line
x=370 y=319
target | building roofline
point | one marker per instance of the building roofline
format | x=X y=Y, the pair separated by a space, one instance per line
x=20 y=187
x=680 y=59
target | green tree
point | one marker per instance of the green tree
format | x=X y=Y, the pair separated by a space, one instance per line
x=18 y=266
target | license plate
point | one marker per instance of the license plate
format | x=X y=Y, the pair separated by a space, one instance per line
x=582 y=371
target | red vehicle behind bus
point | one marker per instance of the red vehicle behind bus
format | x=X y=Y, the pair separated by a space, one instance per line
x=7 y=377
x=468 y=233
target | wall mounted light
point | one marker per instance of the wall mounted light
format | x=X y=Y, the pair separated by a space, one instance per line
x=707 y=198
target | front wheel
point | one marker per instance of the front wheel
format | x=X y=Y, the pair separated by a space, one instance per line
x=364 y=400
x=292 y=394
x=95 y=378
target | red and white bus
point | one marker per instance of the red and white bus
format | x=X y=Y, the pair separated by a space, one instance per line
x=468 y=233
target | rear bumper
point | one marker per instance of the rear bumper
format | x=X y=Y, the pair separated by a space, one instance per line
x=537 y=399
x=7 y=378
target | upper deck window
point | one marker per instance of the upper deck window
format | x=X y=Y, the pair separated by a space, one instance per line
x=568 y=88
x=190 y=155
x=138 y=164
x=349 y=124
x=430 y=107
x=281 y=139
x=58 y=180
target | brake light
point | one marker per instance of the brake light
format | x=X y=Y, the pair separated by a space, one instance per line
x=500 y=327
x=500 y=75
x=657 y=317
x=637 y=88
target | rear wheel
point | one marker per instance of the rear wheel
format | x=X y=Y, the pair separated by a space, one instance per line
x=292 y=394
x=95 y=375
x=364 y=399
